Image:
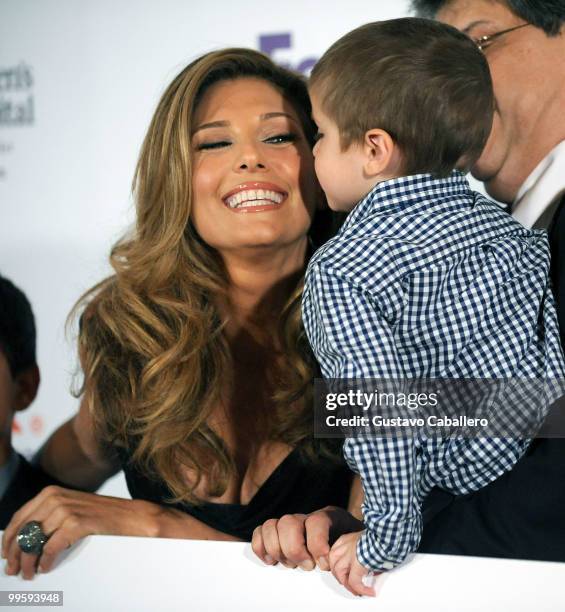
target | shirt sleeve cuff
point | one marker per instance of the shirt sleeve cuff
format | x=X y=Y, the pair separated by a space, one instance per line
x=373 y=557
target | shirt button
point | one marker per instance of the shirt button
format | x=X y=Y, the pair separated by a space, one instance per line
x=388 y=565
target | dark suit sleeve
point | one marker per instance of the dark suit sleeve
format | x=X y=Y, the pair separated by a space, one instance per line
x=557 y=241
x=522 y=514
x=518 y=516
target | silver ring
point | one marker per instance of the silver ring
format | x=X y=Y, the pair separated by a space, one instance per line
x=31 y=538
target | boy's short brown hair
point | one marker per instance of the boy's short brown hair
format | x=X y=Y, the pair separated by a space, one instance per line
x=423 y=82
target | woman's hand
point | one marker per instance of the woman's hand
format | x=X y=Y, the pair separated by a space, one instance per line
x=303 y=540
x=66 y=516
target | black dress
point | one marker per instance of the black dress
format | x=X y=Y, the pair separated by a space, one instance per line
x=296 y=486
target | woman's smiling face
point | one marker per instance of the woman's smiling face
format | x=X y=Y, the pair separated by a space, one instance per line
x=253 y=178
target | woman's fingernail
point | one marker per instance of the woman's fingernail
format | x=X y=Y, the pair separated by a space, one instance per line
x=307 y=565
x=269 y=559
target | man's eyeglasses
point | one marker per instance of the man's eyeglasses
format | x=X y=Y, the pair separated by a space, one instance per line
x=485 y=41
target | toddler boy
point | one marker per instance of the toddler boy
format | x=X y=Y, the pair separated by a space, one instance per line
x=426 y=278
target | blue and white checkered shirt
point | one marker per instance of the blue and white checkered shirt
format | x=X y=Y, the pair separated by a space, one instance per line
x=427 y=279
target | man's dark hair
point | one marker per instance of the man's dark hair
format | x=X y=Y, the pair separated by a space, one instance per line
x=548 y=15
x=423 y=82
x=17 y=328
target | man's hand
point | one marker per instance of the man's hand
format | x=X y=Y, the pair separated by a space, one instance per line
x=345 y=567
x=303 y=540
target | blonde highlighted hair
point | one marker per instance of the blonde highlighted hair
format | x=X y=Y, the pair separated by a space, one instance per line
x=152 y=345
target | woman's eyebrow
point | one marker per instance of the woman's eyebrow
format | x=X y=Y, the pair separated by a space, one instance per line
x=212 y=124
x=278 y=114
x=215 y=124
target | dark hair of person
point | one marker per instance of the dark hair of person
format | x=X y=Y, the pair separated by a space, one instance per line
x=17 y=327
x=424 y=83
x=548 y=15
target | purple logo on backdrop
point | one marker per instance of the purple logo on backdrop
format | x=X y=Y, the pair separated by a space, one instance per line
x=270 y=43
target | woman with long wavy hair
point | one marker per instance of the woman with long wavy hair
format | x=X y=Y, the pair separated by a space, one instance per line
x=196 y=369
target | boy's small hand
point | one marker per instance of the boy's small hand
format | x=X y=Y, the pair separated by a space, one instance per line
x=345 y=567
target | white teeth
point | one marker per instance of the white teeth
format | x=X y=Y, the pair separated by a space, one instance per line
x=255 y=203
x=254 y=197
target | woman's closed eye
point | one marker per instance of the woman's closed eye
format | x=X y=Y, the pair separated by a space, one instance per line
x=282 y=138
x=216 y=144
x=318 y=136
x=220 y=144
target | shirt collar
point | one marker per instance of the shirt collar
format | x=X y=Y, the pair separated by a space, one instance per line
x=406 y=192
x=7 y=472
x=541 y=188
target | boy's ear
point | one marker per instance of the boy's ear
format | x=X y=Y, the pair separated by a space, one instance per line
x=380 y=152
x=27 y=383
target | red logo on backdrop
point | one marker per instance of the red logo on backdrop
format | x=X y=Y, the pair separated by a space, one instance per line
x=36 y=425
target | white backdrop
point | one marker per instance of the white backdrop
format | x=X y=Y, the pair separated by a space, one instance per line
x=79 y=81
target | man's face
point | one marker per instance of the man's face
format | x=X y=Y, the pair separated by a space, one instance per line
x=523 y=65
